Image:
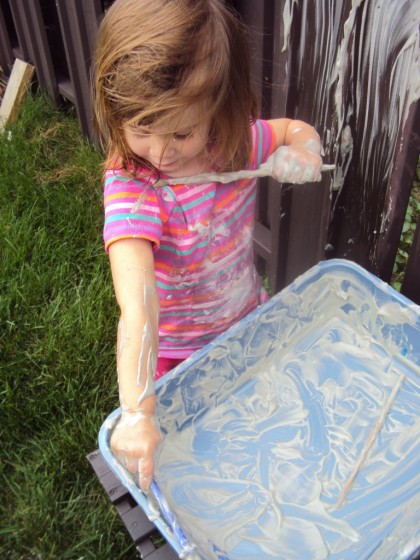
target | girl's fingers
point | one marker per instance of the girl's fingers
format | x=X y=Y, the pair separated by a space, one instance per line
x=292 y=165
x=142 y=467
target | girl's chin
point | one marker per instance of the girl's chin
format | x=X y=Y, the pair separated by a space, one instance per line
x=162 y=166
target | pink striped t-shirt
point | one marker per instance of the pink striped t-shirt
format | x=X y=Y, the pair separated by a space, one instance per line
x=203 y=249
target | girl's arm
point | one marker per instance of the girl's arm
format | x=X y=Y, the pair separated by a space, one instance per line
x=297 y=158
x=136 y=435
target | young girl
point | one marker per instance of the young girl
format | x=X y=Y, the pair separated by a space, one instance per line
x=172 y=97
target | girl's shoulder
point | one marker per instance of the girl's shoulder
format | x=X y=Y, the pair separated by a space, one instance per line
x=116 y=176
x=138 y=194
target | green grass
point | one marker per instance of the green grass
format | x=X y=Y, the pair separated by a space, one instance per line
x=57 y=331
x=412 y=218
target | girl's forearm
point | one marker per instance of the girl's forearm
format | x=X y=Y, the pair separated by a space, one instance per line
x=137 y=342
x=137 y=348
x=136 y=434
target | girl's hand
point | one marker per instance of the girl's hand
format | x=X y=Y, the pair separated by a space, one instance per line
x=296 y=164
x=134 y=441
x=297 y=158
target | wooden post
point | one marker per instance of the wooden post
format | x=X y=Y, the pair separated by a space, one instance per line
x=17 y=86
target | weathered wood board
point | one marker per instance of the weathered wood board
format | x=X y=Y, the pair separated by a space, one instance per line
x=18 y=84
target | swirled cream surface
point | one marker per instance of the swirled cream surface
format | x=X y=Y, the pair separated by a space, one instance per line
x=296 y=434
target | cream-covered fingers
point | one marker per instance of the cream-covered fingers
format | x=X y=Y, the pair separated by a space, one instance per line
x=134 y=442
x=295 y=164
x=297 y=158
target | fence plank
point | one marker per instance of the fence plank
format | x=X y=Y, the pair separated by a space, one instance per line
x=33 y=41
x=264 y=20
x=6 y=52
x=278 y=218
x=398 y=193
x=309 y=219
x=79 y=25
x=380 y=56
x=311 y=35
x=22 y=28
x=259 y=18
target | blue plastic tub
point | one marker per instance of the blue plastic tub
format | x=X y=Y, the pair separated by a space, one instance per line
x=295 y=434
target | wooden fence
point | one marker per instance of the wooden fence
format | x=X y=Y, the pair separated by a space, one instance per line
x=349 y=67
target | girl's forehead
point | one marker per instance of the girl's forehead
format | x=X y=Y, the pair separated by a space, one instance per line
x=190 y=118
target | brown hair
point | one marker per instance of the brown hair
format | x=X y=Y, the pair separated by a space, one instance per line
x=156 y=58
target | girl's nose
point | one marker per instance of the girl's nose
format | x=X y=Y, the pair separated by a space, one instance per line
x=158 y=145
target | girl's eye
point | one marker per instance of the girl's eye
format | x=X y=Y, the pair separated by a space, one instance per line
x=183 y=136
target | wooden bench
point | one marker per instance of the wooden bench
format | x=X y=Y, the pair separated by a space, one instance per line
x=139 y=527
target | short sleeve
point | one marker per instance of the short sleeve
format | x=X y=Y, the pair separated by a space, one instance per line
x=263 y=142
x=132 y=210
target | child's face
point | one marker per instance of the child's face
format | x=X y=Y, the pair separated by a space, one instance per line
x=174 y=150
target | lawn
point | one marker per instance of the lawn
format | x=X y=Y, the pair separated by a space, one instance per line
x=58 y=324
